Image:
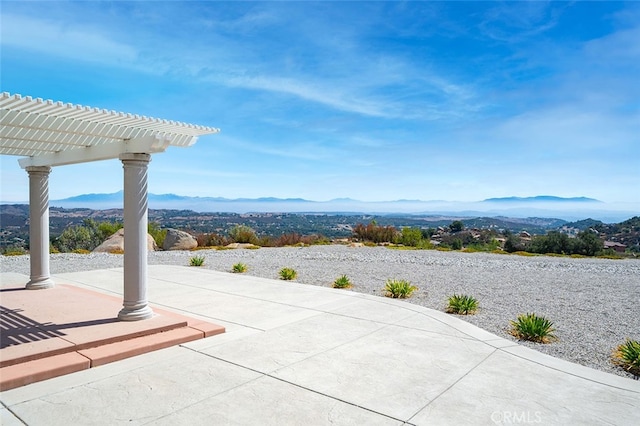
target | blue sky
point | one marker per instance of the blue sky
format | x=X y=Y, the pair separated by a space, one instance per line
x=369 y=100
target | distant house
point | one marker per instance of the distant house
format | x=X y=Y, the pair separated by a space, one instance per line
x=525 y=235
x=620 y=248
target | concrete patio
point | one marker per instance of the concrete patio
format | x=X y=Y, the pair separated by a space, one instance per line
x=299 y=354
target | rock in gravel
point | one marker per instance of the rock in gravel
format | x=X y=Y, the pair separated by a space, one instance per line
x=179 y=240
x=115 y=243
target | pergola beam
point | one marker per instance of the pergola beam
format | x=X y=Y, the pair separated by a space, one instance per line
x=147 y=144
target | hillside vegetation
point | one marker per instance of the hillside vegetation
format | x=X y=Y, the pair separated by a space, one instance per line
x=84 y=229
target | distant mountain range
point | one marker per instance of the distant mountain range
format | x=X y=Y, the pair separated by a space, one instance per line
x=118 y=196
x=545 y=198
x=574 y=208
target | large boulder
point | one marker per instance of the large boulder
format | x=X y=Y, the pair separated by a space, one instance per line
x=115 y=243
x=179 y=240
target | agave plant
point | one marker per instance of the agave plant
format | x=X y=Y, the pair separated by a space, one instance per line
x=627 y=356
x=399 y=289
x=462 y=304
x=342 y=282
x=196 y=261
x=288 y=274
x=239 y=268
x=534 y=328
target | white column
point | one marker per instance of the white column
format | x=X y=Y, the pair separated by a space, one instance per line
x=39 y=227
x=135 y=238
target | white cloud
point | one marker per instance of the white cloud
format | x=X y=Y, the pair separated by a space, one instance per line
x=312 y=92
x=515 y=21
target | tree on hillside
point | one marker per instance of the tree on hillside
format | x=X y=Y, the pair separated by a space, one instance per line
x=87 y=236
x=588 y=243
x=411 y=236
x=513 y=243
x=456 y=226
x=553 y=242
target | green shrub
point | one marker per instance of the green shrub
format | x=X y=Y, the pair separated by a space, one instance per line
x=158 y=234
x=14 y=251
x=399 y=289
x=456 y=244
x=288 y=274
x=627 y=356
x=211 y=240
x=196 y=261
x=487 y=246
x=81 y=251
x=456 y=226
x=239 y=268
x=243 y=234
x=534 y=328
x=411 y=237
x=78 y=237
x=513 y=243
x=462 y=304
x=586 y=243
x=342 y=282
x=87 y=236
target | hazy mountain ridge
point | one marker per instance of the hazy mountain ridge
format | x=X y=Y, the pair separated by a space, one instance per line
x=569 y=209
x=545 y=198
x=120 y=194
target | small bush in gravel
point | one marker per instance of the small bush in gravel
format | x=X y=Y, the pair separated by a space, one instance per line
x=196 y=261
x=239 y=268
x=288 y=274
x=534 y=328
x=627 y=356
x=399 y=289
x=342 y=282
x=462 y=304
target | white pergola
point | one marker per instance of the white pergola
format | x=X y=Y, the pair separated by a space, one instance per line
x=48 y=134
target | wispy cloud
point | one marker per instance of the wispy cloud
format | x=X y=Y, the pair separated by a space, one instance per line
x=350 y=75
x=516 y=21
x=311 y=92
x=73 y=42
x=288 y=149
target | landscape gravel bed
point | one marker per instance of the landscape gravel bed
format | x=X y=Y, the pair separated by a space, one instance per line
x=593 y=303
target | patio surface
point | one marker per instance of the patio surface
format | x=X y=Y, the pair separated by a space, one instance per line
x=291 y=354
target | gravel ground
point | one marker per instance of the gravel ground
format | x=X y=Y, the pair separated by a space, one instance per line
x=594 y=303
